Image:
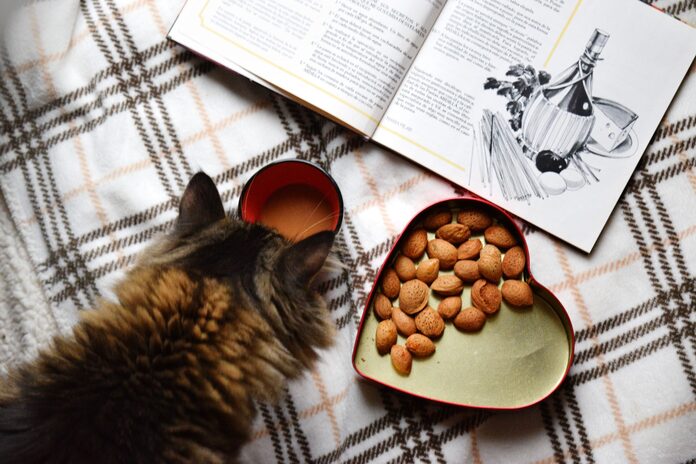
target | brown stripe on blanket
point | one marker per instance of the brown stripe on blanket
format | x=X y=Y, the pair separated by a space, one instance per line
x=153 y=212
x=617 y=264
x=682 y=6
x=561 y=412
x=550 y=427
x=78 y=145
x=654 y=229
x=140 y=125
x=326 y=404
x=180 y=167
x=677 y=147
x=200 y=68
x=297 y=431
x=64 y=100
x=377 y=427
x=674 y=128
x=413 y=431
x=644 y=424
x=195 y=94
x=147 y=215
x=619 y=341
x=47 y=197
x=579 y=378
x=275 y=438
x=393 y=413
x=285 y=435
x=75 y=39
x=75 y=114
x=116 y=264
x=635 y=312
x=608 y=384
x=426 y=421
x=277 y=104
x=576 y=413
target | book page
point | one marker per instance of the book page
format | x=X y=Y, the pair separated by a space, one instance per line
x=343 y=57
x=506 y=100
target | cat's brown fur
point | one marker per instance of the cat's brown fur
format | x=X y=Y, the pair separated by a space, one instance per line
x=215 y=316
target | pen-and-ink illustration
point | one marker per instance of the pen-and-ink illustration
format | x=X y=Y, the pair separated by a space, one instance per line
x=554 y=129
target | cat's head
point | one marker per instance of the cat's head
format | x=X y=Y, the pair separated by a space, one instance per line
x=262 y=269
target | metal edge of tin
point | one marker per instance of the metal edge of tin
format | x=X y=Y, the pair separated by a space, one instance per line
x=241 y=202
x=543 y=292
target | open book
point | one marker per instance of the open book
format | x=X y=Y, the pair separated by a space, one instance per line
x=543 y=107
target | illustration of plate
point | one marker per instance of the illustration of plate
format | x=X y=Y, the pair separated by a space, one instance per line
x=627 y=149
x=519 y=358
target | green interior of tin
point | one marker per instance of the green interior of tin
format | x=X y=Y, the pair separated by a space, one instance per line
x=518 y=357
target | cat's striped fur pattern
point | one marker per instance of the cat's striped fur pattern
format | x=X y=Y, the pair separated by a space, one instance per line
x=214 y=316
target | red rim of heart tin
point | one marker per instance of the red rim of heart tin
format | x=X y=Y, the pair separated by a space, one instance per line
x=538 y=288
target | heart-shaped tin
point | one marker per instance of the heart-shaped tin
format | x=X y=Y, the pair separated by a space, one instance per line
x=519 y=358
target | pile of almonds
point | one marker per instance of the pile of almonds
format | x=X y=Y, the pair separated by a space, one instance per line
x=416 y=272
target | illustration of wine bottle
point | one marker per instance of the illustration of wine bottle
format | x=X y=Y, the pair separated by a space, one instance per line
x=559 y=117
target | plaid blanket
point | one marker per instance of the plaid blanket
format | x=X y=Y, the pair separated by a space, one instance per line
x=102 y=122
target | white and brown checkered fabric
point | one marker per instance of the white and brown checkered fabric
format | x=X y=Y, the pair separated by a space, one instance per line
x=102 y=122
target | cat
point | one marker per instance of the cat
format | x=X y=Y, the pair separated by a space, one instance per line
x=214 y=316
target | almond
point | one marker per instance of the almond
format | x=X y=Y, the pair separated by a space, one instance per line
x=517 y=293
x=514 y=262
x=405 y=268
x=413 y=296
x=490 y=268
x=429 y=323
x=500 y=237
x=469 y=249
x=437 y=219
x=401 y=359
x=486 y=296
x=449 y=307
x=453 y=233
x=444 y=251
x=470 y=319
x=491 y=250
x=405 y=325
x=467 y=270
x=428 y=270
x=447 y=285
x=414 y=244
x=385 y=337
x=382 y=306
x=475 y=219
x=391 y=285
x=420 y=346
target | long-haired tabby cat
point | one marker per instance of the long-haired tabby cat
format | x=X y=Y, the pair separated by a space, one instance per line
x=214 y=316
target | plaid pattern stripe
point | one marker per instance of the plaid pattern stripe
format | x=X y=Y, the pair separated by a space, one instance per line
x=102 y=122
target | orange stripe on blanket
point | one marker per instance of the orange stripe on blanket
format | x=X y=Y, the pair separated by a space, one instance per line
x=307 y=413
x=417 y=179
x=619 y=263
x=74 y=40
x=629 y=452
x=644 y=424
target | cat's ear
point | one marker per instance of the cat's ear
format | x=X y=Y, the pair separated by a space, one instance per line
x=304 y=259
x=200 y=205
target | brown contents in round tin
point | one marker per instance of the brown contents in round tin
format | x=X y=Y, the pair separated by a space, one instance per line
x=297 y=211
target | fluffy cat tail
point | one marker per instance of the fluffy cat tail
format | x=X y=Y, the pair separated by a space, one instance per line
x=22 y=438
x=29 y=434
x=43 y=422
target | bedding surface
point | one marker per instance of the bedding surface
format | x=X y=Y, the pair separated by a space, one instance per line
x=102 y=123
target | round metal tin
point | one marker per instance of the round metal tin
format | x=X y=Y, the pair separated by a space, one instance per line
x=282 y=173
x=519 y=358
